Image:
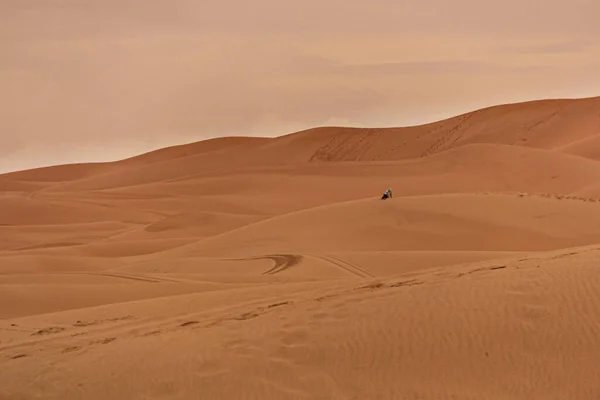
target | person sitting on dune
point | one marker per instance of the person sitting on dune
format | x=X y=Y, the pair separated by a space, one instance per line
x=386 y=194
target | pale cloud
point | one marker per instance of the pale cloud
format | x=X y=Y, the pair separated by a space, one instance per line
x=103 y=79
x=462 y=67
x=572 y=46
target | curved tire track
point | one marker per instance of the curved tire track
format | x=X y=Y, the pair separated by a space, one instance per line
x=282 y=262
x=285 y=261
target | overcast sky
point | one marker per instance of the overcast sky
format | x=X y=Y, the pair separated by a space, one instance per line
x=101 y=80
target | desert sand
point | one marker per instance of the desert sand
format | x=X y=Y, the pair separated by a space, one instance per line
x=269 y=268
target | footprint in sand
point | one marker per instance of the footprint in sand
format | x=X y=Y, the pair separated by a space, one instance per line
x=411 y=282
x=326 y=297
x=70 y=349
x=49 y=331
x=283 y=303
x=189 y=323
x=104 y=341
x=102 y=321
x=492 y=268
x=245 y=316
x=153 y=333
x=372 y=286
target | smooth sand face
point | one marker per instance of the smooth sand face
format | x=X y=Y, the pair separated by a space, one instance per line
x=270 y=269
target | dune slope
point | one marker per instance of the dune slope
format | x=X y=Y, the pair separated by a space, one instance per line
x=269 y=268
x=544 y=124
x=483 y=331
x=438 y=222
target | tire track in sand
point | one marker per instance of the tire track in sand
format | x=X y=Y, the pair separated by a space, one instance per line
x=282 y=261
x=132 y=277
x=347 y=266
x=285 y=261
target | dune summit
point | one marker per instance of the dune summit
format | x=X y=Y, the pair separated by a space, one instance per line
x=269 y=268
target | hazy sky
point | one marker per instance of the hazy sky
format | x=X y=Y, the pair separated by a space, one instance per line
x=99 y=80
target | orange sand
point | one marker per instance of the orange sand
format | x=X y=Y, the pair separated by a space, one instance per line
x=268 y=268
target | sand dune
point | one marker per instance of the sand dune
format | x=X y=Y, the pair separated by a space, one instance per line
x=22 y=237
x=479 y=331
x=547 y=124
x=588 y=147
x=267 y=268
x=438 y=222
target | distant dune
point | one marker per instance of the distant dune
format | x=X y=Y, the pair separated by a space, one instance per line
x=269 y=268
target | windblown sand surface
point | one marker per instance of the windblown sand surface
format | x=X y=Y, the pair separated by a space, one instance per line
x=255 y=268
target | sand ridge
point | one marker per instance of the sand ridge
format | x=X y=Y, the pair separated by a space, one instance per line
x=266 y=268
